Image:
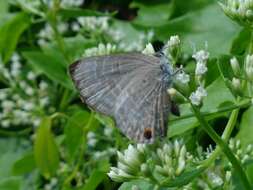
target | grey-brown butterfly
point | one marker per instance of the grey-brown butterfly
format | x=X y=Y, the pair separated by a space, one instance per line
x=131 y=88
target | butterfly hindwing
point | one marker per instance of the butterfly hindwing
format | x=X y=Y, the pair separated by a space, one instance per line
x=128 y=87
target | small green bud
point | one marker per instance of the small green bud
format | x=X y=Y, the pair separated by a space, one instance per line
x=237 y=85
x=235 y=66
x=249 y=67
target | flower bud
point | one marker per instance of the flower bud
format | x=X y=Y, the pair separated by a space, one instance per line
x=149 y=50
x=235 y=66
x=249 y=67
x=173 y=47
x=237 y=85
x=145 y=170
x=176 y=96
x=239 y=11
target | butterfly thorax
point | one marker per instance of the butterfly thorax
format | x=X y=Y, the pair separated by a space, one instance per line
x=167 y=70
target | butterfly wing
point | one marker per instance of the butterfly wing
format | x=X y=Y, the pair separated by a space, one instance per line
x=96 y=78
x=128 y=87
x=142 y=108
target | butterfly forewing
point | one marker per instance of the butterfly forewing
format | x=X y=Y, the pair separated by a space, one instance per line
x=128 y=87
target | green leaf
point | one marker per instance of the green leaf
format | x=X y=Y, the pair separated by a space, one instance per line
x=183 y=179
x=74 y=132
x=217 y=92
x=10 y=33
x=181 y=7
x=241 y=42
x=94 y=180
x=141 y=184
x=50 y=66
x=151 y=14
x=206 y=25
x=12 y=183
x=24 y=165
x=45 y=150
x=245 y=134
x=3 y=7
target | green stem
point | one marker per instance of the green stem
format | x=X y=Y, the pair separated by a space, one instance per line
x=223 y=146
x=242 y=104
x=226 y=134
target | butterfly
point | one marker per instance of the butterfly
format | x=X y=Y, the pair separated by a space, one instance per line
x=131 y=88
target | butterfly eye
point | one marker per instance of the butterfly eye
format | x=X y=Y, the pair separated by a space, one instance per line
x=147 y=133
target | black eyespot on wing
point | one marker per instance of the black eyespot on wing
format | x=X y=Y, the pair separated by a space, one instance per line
x=147 y=133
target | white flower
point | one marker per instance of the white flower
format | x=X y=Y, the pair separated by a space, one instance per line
x=43 y=85
x=215 y=179
x=149 y=50
x=236 y=84
x=5 y=123
x=29 y=91
x=7 y=105
x=197 y=96
x=118 y=175
x=28 y=106
x=15 y=65
x=15 y=57
x=36 y=122
x=3 y=95
x=31 y=75
x=183 y=77
x=108 y=131
x=201 y=56
x=102 y=49
x=75 y=26
x=173 y=41
x=201 y=68
x=239 y=10
x=235 y=66
x=131 y=156
x=44 y=101
x=15 y=72
x=42 y=42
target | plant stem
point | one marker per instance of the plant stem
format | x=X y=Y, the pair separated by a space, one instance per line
x=223 y=146
x=226 y=134
x=244 y=103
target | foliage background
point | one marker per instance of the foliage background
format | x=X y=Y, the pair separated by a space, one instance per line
x=61 y=144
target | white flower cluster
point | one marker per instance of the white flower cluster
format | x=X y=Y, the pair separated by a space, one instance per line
x=22 y=100
x=102 y=25
x=242 y=75
x=129 y=163
x=197 y=96
x=71 y=3
x=183 y=77
x=102 y=49
x=173 y=42
x=46 y=34
x=243 y=154
x=173 y=159
x=201 y=58
x=239 y=10
x=94 y=23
